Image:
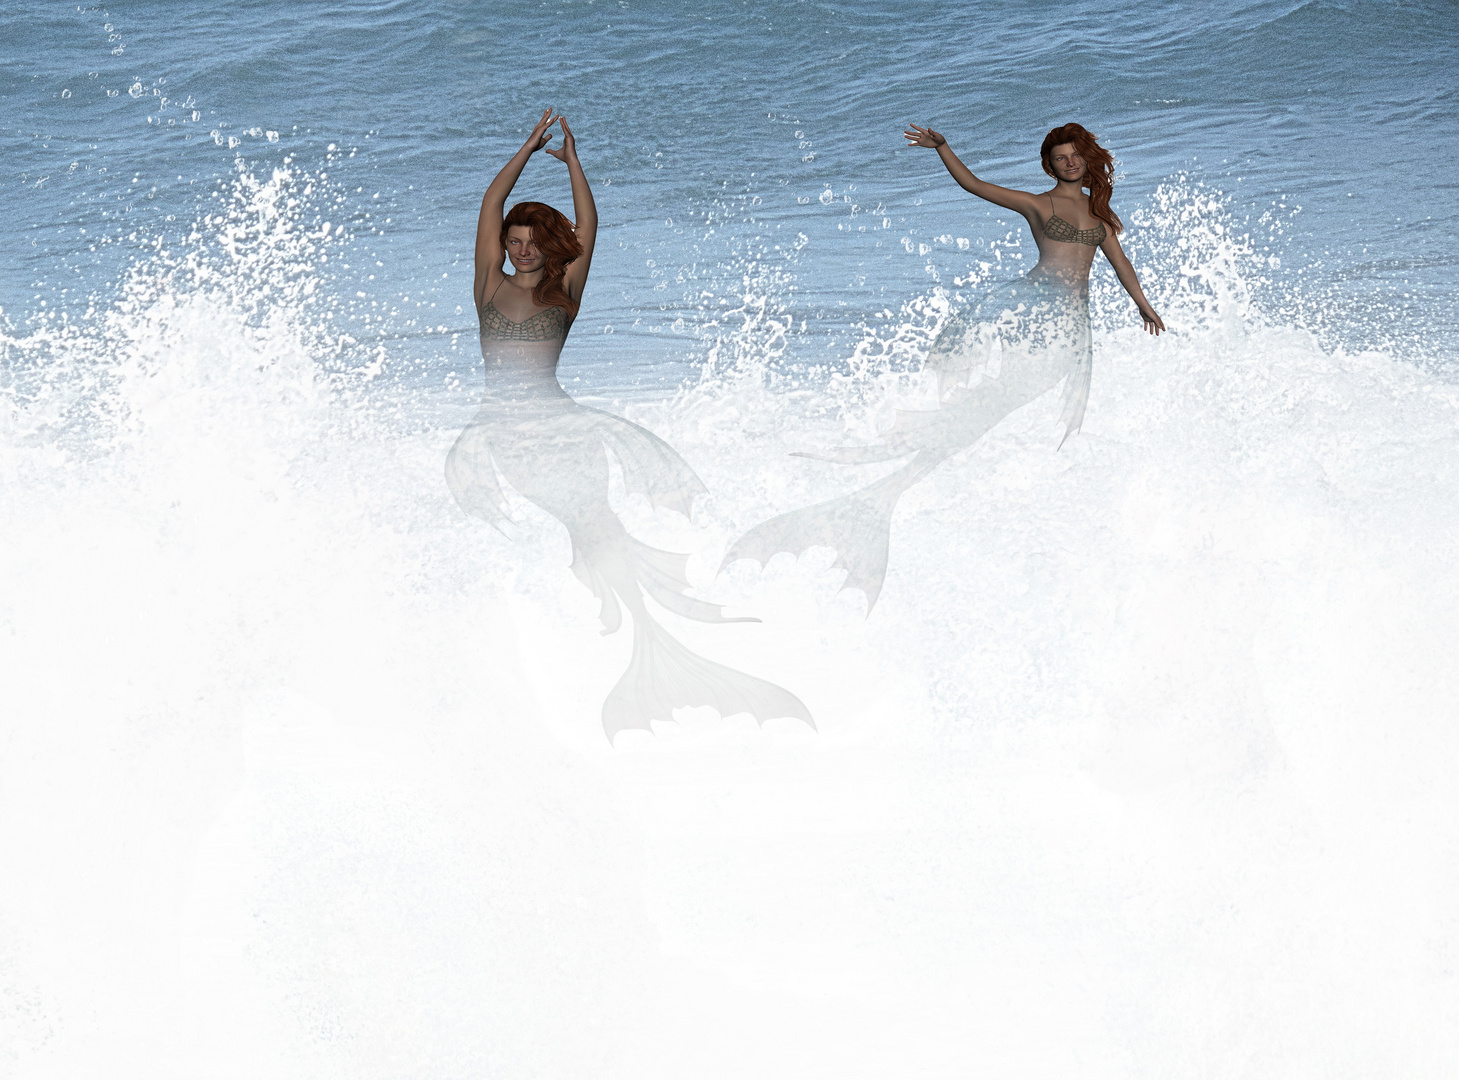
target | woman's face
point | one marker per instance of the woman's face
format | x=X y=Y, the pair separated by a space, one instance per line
x=1067 y=163
x=522 y=250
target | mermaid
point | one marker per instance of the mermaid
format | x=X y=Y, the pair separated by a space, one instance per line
x=553 y=452
x=1039 y=327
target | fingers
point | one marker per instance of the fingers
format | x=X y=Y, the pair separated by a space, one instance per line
x=923 y=136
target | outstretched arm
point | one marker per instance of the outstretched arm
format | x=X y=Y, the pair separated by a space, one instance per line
x=1021 y=201
x=583 y=209
x=1126 y=273
x=489 y=254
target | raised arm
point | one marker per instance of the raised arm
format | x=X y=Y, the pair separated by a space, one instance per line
x=584 y=210
x=1021 y=201
x=1126 y=273
x=489 y=253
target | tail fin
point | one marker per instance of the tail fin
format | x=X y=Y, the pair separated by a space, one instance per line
x=471 y=476
x=858 y=526
x=661 y=575
x=1076 y=397
x=663 y=675
x=618 y=565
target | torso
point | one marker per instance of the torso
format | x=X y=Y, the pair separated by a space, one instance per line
x=522 y=354
x=1065 y=251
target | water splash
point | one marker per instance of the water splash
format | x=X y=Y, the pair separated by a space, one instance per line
x=1197 y=659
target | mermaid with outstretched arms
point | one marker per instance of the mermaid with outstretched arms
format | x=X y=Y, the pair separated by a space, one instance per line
x=553 y=451
x=1075 y=160
x=1038 y=325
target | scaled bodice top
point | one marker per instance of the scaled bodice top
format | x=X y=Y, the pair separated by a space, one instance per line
x=1056 y=228
x=549 y=324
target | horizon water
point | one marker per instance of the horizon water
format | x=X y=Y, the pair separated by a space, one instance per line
x=1140 y=766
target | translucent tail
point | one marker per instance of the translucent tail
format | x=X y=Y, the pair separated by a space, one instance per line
x=625 y=567
x=858 y=526
x=471 y=476
x=663 y=675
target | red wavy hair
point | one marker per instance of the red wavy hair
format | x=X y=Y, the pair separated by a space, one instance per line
x=1099 y=167
x=555 y=238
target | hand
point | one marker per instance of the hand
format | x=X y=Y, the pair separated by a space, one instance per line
x=1153 y=323
x=569 y=151
x=540 y=135
x=920 y=136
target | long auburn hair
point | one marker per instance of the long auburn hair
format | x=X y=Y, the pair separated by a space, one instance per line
x=555 y=238
x=1099 y=167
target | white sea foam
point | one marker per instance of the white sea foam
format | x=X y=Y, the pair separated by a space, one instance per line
x=1141 y=765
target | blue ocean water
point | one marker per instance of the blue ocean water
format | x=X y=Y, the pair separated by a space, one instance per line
x=1141 y=766
x=734 y=139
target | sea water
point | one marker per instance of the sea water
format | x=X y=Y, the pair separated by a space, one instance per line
x=1140 y=766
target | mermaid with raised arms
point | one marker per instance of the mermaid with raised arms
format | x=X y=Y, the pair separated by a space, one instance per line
x=1040 y=322
x=553 y=451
